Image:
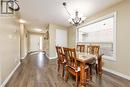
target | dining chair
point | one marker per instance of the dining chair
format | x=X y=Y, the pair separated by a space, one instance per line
x=93 y=49
x=61 y=59
x=80 y=48
x=72 y=64
x=99 y=65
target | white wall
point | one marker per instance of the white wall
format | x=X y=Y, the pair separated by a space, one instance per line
x=23 y=41
x=9 y=46
x=71 y=37
x=52 y=39
x=46 y=41
x=61 y=38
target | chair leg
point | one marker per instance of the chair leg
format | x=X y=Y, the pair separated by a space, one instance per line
x=58 y=65
x=97 y=72
x=88 y=74
x=63 y=70
x=76 y=80
x=67 y=75
x=90 y=66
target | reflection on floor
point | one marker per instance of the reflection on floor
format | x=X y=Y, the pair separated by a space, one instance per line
x=38 y=71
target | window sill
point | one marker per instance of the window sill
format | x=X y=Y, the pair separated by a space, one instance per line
x=109 y=58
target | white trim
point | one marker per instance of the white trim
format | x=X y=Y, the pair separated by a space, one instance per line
x=109 y=58
x=98 y=19
x=24 y=56
x=113 y=14
x=10 y=75
x=117 y=73
x=51 y=57
x=114 y=36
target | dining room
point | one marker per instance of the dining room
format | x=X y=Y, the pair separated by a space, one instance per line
x=69 y=43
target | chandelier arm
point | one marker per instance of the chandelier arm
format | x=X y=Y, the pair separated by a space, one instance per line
x=67 y=11
x=74 y=21
x=80 y=20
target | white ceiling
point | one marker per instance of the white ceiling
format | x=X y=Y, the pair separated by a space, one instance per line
x=41 y=12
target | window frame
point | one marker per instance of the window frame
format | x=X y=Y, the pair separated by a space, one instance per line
x=114 y=14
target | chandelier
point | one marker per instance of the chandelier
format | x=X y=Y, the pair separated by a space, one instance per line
x=74 y=20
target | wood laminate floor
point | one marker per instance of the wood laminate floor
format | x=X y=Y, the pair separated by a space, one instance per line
x=38 y=71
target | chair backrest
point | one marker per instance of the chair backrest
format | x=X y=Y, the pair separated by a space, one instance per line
x=80 y=48
x=60 y=53
x=89 y=49
x=70 y=54
x=93 y=49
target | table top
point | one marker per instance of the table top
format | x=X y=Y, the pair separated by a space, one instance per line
x=84 y=57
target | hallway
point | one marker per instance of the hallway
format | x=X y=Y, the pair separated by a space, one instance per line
x=38 y=71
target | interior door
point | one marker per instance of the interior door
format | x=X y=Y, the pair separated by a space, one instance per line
x=35 y=42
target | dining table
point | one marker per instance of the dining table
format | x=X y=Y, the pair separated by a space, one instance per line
x=83 y=58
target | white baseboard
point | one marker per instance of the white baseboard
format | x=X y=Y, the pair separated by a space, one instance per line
x=51 y=57
x=24 y=56
x=10 y=75
x=117 y=73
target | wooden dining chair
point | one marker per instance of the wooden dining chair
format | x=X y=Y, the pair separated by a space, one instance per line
x=80 y=48
x=89 y=49
x=93 y=49
x=72 y=64
x=99 y=65
x=61 y=59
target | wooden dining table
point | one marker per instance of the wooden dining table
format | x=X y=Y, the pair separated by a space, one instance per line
x=83 y=58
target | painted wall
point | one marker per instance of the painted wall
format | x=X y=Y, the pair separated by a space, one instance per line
x=9 y=46
x=71 y=37
x=46 y=40
x=61 y=37
x=121 y=65
x=23 y=41
x=52 y=39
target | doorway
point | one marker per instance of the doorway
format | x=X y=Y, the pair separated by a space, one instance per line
x=35 y=43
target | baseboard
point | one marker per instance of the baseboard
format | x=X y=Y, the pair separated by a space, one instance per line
x=24 y=56
x=117 y=73
x=51 y=57
x=10 y=75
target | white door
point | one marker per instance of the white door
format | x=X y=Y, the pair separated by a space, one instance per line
x=61 y=37
x=35 y=42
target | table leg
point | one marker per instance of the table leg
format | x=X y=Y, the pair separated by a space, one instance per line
x=82 y=75
x=100 y=66
x=90 y=71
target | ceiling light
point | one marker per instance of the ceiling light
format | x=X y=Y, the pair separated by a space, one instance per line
x=76 y=19
x=22 y=21
x=38 y=29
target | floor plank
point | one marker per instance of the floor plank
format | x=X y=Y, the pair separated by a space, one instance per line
x=38 y=71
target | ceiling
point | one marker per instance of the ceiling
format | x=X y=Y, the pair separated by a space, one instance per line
x=39 y=13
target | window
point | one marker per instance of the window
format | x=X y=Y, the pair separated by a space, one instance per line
x=101 y=32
